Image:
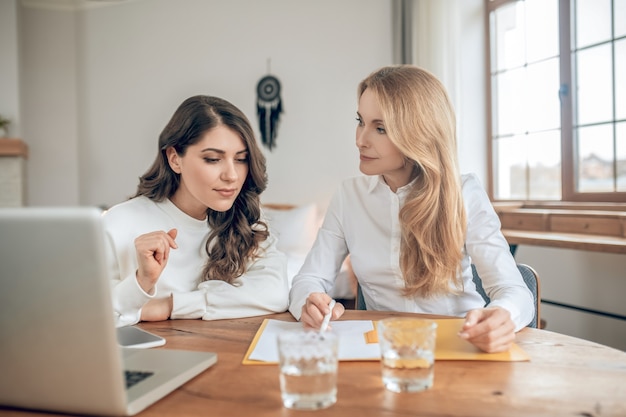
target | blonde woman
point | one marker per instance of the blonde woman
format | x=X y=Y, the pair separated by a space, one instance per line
x=413 y=225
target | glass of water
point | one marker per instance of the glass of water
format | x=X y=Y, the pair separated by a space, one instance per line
x=308 y=369
x=407 y=350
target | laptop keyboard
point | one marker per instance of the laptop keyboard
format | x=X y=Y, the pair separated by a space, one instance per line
x=134 y=377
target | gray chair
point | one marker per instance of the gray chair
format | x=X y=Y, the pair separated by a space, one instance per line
x=532 y=281
x=530 y=278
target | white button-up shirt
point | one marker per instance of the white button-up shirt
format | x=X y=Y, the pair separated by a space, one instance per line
x=362 y=220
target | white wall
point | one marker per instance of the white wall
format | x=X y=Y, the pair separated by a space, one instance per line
x=590 y=280
x=48 y=81
x=101 y=82
x=135 y=62
x=9 y=74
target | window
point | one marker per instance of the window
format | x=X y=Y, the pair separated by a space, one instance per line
x=557 y=100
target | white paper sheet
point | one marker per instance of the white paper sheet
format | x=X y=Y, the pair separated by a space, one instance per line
x=352 y=342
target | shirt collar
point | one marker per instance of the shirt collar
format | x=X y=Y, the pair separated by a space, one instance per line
x=374 y=181
x=181 y=218
x=378 y=180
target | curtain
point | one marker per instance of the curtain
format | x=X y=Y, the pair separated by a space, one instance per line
x=447 y=37
x=402 y=26
x=427 y=33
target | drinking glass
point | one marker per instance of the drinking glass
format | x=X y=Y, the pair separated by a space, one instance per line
x=308 y=369
x=407 y=350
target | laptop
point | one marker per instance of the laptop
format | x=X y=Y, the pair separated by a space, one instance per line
x=58 y=342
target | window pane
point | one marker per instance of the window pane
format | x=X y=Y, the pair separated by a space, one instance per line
x=593 y=22
x=527 y=135
x=620 y=79
x=510 y=102
x=621 y=156
x=509 y=36
x=595 y=159
x=510 y=170
x=543 y=108
x=544 y=165
x=542 y=17
x=595 y=85
x=620 y=18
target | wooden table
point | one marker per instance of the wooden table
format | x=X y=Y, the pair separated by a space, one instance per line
x=565 y=377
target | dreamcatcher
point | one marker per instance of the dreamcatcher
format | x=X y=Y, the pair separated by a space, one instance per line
x=269 y=107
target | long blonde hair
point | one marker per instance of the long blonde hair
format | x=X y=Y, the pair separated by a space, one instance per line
x=420 y=121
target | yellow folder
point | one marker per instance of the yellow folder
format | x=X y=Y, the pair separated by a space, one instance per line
x=363 y=344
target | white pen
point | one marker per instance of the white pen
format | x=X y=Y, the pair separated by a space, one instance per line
x=324 y=325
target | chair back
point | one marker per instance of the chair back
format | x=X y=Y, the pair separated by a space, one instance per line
x=359 y=304
x=528 y=274
x=532 y=281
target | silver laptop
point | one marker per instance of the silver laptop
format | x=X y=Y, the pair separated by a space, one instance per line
x=58 y=345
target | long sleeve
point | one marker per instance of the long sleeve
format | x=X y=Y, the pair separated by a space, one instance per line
x=263 y=289
x=323 y=262
x=489 y=252
x=128 y=297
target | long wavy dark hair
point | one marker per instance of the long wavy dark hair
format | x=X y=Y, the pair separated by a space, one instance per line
x=236 y=233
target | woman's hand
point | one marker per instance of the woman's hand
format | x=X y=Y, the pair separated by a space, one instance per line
x=316 y=307
x=153 y=251
x=490 y=329
x=157 y=309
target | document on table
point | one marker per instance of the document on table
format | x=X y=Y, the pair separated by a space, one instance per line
x=352 y=340
x=358 y=341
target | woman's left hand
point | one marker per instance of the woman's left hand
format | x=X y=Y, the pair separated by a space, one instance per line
x=490 y=329
x=157 y=309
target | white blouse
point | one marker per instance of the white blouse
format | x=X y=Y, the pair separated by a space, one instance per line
x=263 y=289
x=362 y=220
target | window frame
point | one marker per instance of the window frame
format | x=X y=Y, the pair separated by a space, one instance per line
x=568 y=163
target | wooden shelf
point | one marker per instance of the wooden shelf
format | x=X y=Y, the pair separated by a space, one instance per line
x=590 y=227
x=566 y=241
x=13 y=147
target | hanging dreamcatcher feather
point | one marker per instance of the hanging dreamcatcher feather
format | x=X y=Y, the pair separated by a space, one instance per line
x=269 y=107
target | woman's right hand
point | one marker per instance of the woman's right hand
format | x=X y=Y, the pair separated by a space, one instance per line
x=316 y=306
x=153 y=251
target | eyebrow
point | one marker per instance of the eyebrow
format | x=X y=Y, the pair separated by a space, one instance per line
x=220 y=151
x=373 y=121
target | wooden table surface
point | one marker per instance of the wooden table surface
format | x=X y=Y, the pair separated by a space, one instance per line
x=566 y=376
